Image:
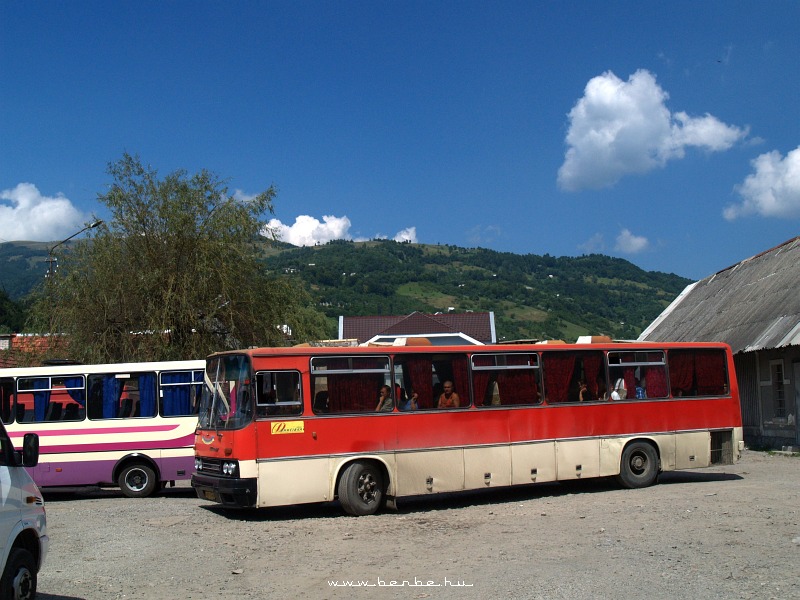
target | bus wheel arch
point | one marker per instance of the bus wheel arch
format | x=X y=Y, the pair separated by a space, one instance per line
x=640 y=464
x=361 y=486
x=137 y=476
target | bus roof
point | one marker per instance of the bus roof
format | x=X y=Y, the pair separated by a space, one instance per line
x=306 y=350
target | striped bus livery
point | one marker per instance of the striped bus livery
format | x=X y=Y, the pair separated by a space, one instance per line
x=129 y=424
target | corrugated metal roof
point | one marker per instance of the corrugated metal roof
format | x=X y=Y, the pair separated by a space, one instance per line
x=752 y=305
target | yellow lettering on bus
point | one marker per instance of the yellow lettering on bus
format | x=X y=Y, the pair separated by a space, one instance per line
x=287 y=427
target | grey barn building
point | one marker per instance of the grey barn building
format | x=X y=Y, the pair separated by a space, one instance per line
x=754 y=306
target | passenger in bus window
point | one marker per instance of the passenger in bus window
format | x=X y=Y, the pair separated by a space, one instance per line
x=449 y=398
x=408 y=403
x=583 y=392
x=321 y=402
x=641 y=389
x=385 y=402
x=619 y=392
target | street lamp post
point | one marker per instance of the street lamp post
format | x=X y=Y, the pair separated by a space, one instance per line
x=51 y=259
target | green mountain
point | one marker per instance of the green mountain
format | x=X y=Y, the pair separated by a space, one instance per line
x=531 y=296
x=23 y=265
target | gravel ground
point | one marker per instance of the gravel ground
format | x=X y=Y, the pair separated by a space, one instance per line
x=727 y=532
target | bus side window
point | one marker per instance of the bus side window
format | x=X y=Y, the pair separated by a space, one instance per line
x=353 y=382
x=94 y=404
x=698 y=372
x=278 y=393
x=178 y=392
x=564 y=372
x=505 y=379
x=53 y=411
x=6 y=398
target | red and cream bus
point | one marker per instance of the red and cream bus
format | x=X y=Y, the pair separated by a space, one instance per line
x=128 y=424
x=281 y=426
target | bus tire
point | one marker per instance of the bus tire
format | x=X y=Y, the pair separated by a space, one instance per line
x=137 y=480
x=19 y=578
x=361 y=488
x=639 y=466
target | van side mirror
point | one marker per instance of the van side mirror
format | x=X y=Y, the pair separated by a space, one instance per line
x=30 y=450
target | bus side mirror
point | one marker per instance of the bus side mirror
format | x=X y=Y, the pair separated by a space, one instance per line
x=30 y=450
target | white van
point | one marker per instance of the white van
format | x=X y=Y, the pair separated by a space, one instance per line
x=23 y=525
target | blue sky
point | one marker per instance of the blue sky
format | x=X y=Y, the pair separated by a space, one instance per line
x=665 y=133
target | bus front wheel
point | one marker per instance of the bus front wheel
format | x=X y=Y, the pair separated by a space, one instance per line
x=361 y=489
x=137 y=480
x=639 y=466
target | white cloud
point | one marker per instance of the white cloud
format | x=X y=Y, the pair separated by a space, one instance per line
x=483 y=235
x=773 y=190
x=409 y=234
x=308 y=231
x=629 y=243
x=594 y=244
x=241 y=196
x=25 y=214
x=624 y=127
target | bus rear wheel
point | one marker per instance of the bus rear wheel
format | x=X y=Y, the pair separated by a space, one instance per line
x=19 y=578
x=137 y=480
x=639 y=466
x=361 y=489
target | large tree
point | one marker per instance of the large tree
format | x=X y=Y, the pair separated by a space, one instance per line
x=174 y=274
x=11 y=314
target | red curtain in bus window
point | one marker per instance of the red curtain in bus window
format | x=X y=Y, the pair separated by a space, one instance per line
x=681 y=372
x=353 y=393
x=420 y=375
x=337 y=394
x=480 y=380
x=710 y=372
x=656 y=380
x=558 y=369
x=629 y=375
x=518 y=387
x=461 y=379
x=593 y=370
x=480 y=387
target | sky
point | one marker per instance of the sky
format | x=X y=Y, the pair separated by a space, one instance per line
x=664 y=133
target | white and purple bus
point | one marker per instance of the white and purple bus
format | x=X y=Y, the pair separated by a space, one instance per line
x=129 y=424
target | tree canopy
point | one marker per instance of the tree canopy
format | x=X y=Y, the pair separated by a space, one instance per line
x=11 y=314
x=174 y=274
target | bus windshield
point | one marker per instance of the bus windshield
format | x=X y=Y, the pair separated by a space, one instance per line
x=226 y=402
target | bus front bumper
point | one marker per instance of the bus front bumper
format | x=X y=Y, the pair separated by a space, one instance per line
x=238 y=493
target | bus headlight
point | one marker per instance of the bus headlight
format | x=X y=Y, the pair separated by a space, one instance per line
x=198 y=464
x=230 y=468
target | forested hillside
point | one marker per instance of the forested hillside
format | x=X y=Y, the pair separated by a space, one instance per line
x=531 y=296
x=22 y=266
